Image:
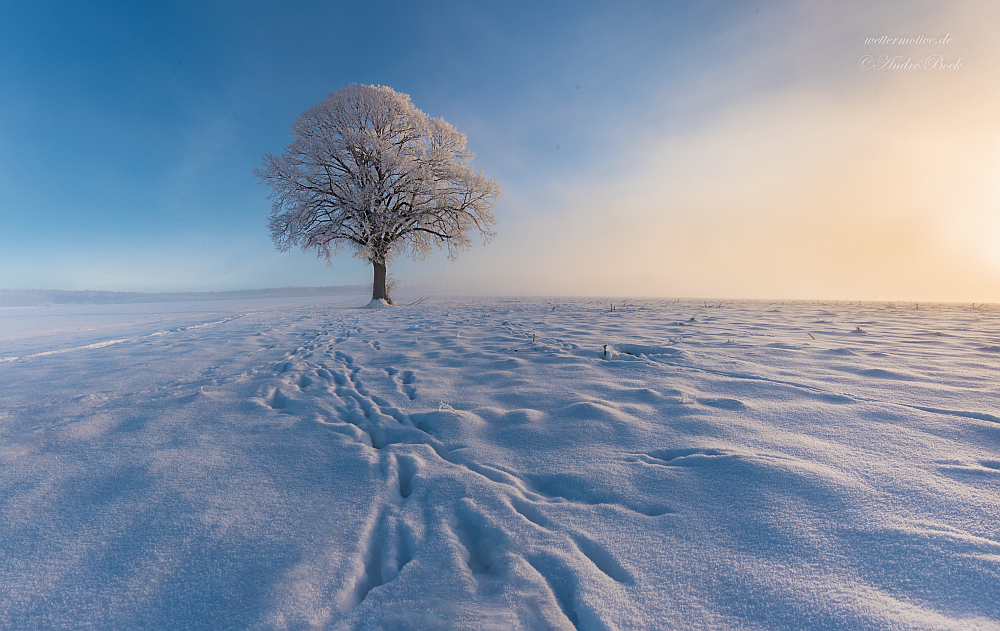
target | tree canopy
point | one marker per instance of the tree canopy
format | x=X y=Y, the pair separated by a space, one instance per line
x=370 y=172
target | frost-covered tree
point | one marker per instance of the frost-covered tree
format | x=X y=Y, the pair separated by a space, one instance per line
x=370 y=172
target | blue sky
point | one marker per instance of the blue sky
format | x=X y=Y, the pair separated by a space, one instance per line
x=672 y=149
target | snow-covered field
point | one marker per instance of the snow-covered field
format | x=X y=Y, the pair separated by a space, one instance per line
x=480 y=464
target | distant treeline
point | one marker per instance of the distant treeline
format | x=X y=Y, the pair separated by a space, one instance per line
x=35 y=297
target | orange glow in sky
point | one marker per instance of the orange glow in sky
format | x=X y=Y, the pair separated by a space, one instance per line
x=813 y=176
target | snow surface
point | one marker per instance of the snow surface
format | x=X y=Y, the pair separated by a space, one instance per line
x=314 y=464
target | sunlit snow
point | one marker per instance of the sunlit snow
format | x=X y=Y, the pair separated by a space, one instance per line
x=486 y=464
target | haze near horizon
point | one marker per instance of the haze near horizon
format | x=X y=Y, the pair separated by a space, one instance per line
x=743 y=150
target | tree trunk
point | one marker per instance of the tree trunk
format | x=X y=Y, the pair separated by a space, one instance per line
x=378 y=284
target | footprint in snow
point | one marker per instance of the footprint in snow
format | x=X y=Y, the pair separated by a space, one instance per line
x=344 y=357
x=405 y=381
x=275 y=400
x=283 y=367
x=385 y=550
